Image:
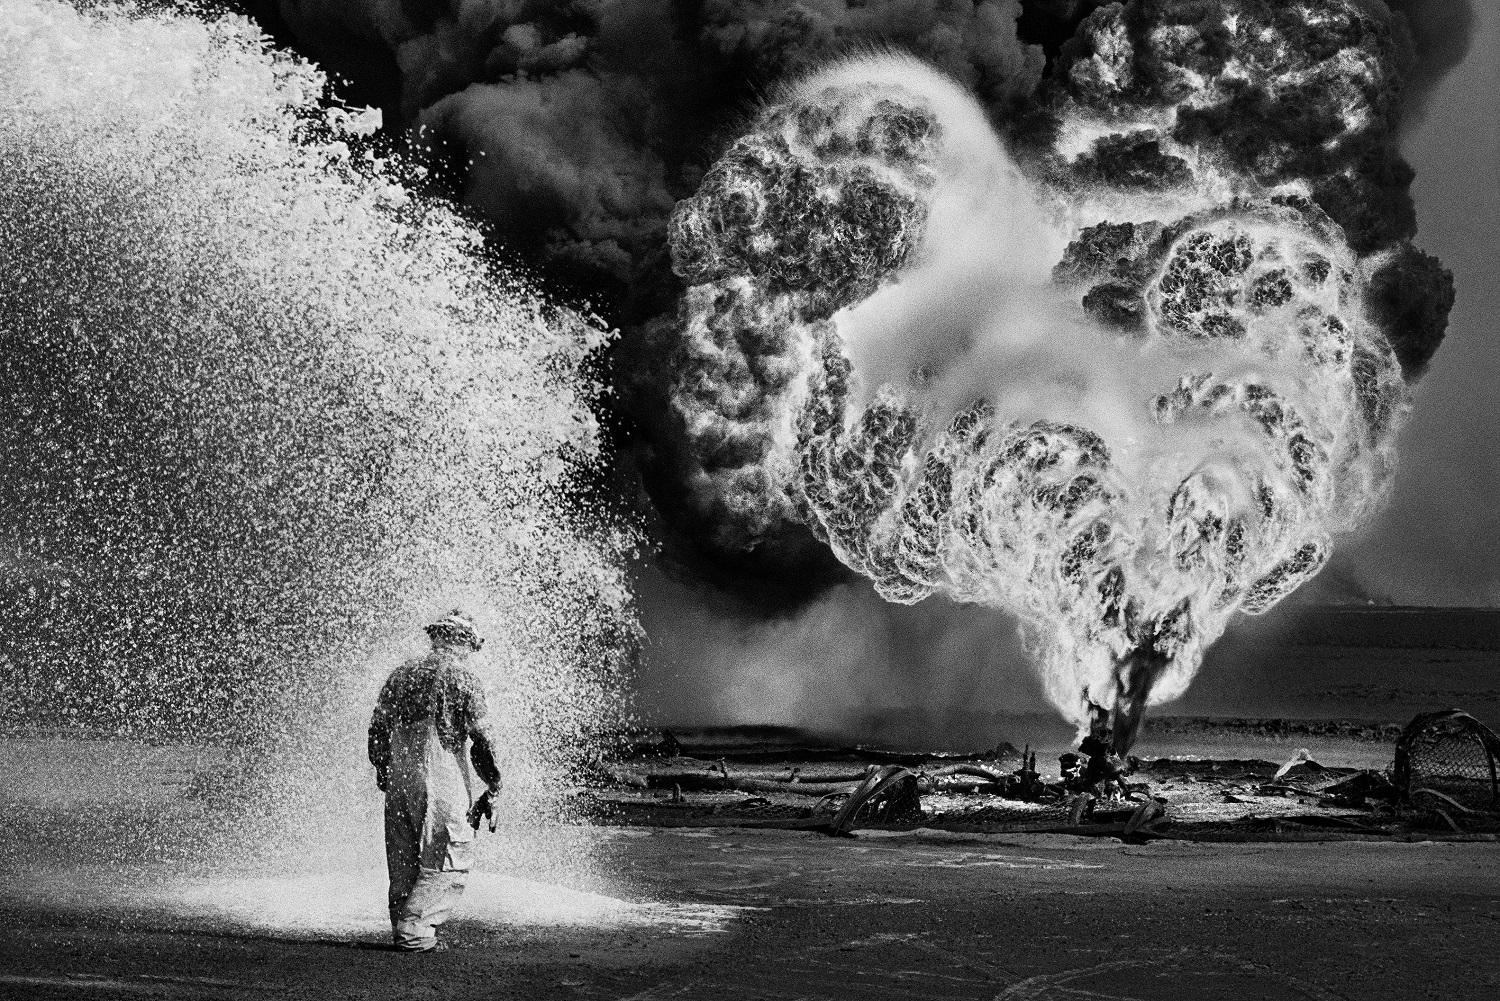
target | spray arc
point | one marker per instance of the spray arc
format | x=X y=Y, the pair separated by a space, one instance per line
x=283 y=405
x=968 y=382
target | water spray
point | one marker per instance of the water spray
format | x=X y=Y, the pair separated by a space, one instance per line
x=269 y=408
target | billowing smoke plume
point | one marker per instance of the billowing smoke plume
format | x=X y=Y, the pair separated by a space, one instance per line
x=581 y=123
x=586 y=121
x=1209 y=190
x=1154 y=97
x=1169 y=425
x=575 y=127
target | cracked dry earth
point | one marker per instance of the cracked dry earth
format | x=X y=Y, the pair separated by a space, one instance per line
x=792 y=915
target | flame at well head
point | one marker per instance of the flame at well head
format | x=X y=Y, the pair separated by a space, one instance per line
x=1120 y=410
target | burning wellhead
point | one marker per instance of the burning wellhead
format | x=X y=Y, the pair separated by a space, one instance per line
x=1122 y=406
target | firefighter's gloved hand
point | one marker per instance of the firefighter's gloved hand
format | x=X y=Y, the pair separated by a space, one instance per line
x=484 y=808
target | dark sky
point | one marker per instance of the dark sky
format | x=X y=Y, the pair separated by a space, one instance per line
x=1439 y=541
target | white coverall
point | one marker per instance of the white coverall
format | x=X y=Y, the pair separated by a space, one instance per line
x=428 y=709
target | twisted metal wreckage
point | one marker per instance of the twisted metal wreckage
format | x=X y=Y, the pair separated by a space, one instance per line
x=1445 y=777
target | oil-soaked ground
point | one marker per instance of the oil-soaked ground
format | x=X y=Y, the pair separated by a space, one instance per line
x=103 y=895
x=881 y=917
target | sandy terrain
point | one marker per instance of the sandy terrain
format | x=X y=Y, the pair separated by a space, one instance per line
x=778 y=915
x=127 y=897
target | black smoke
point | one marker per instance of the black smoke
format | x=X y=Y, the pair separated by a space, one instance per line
x=1280 y=98
x=575 y=127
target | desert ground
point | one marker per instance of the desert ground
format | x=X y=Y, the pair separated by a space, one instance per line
x=786 y=915
x=117 y=879
x=113 y=884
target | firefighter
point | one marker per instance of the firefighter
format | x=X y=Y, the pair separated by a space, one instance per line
x=429 y=709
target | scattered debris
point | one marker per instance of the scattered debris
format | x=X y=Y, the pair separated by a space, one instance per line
x=1449 y=753
x=1363 y=788
x=1094 y=792
x=1301 y=762
x=1442 y=796
x=1081 y=803
x=890 y=794
x=1144 y=814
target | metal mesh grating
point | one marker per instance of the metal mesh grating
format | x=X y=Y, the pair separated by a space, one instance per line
x=1452 y=754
